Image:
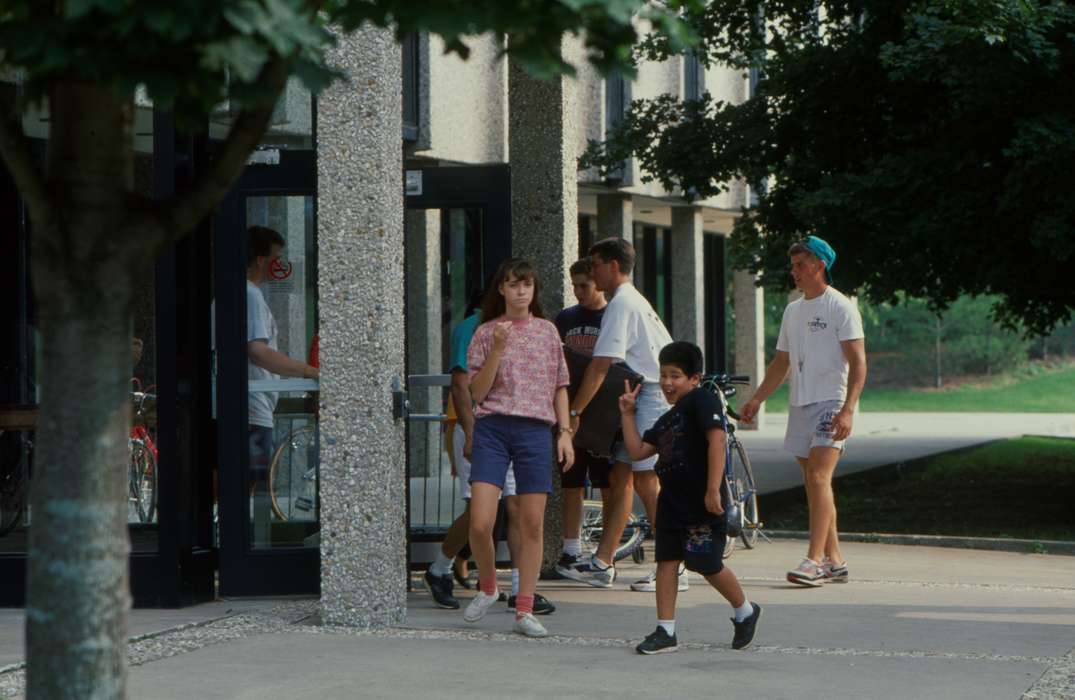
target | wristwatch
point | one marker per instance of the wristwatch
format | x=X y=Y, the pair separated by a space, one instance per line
x=569 y=430
x=573 y=413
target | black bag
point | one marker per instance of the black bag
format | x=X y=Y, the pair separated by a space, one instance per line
x=600 y=426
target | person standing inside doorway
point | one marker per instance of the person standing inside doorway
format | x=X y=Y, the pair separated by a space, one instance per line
x=631 y=332
x=579 y=327
x=265 y=361
x=822 y=344
x=518 y=380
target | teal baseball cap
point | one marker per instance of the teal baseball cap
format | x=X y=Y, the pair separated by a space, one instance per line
x=823 y=251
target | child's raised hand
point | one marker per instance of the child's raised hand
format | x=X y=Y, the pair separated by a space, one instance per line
x=500 y=335
x=629 y=397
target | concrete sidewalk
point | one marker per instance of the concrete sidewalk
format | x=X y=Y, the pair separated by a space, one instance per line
x=915 y=622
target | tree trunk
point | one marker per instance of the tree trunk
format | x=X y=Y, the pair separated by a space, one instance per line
x=938 y=379
x=83 y=270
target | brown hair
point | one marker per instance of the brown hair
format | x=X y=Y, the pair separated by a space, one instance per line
x=493 y=306
x=259 y=243
x=582 y=267
x=616 y=249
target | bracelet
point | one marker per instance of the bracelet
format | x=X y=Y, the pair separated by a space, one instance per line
x=569 y=430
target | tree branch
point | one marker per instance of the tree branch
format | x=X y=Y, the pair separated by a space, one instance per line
x=186 y=209
x=29 y=179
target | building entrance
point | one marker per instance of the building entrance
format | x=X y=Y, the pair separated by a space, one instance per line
x=268 y=439
x=458 y=230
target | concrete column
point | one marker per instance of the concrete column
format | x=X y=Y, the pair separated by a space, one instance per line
x=360 y=240
x=421 y=229
x=749 y=335
x=544 y=206
x=688 y=275
x=615 y=216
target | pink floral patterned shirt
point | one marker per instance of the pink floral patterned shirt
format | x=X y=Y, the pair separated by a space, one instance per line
x=531 y=369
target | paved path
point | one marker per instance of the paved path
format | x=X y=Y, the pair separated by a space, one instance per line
x=889 y=438
x=915 y=622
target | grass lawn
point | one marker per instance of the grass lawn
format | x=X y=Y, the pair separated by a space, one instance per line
x=1022 y=488
x=1037 y=390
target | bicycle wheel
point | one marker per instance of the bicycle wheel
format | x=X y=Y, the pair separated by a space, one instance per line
x=142 y=477
x=730 y=540
x=593 y=529
x=743 y=477
x=293 y=476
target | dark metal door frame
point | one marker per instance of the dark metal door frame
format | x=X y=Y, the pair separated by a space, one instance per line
x=243 y=570
x=486 y=187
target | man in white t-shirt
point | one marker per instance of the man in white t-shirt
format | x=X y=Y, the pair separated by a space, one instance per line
x=822 y=344
x=631 y=332
x=265 y=361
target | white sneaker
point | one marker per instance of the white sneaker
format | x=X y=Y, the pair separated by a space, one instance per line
x=649 y=583
x=527 y=625
x=807 y=573
x=479 y=605
x=596 y=576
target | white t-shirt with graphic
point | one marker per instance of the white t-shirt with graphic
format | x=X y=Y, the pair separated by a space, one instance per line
x=811 y=332
x=260 y=325
x=632 y=331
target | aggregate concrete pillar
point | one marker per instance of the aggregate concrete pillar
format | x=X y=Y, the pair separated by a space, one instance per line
x=688 y=275
x=360 y=240
x=421 y=228
x=544 y=206
x=749 y=336
x=615 y=216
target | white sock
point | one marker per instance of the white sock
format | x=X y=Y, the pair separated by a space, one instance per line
x=744 y=611
x=669 y=626
x=443 y=565
x=515 y=582
x=573 y=546
x=598 y=563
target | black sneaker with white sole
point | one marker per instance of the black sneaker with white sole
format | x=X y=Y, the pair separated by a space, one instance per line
x=542 y=606
x=658 y=642
x=440 y=587
x=744 y=631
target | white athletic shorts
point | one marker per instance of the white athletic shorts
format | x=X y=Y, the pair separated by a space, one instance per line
x=462 y=466
x=649 y=406
x=811 y=426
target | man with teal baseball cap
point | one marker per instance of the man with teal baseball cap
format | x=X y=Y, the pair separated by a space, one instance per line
x=822 y=352
x=822 y=251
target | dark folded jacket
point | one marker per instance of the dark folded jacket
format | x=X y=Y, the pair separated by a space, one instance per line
x=600 y=425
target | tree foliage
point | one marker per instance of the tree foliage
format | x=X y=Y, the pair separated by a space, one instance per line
x=930 y=141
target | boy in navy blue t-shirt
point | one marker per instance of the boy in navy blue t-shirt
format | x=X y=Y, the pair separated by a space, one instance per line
x=690 y=442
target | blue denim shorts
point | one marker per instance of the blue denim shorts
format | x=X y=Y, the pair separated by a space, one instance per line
x=501 y=442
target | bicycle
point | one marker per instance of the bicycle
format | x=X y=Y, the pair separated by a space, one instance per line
x=633 y=534
x=744 y=523
x=142 y=464
x=293 y=474
x=16 y=452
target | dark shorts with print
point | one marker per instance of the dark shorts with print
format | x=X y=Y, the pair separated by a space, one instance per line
x=597 y=468
x=699 y=547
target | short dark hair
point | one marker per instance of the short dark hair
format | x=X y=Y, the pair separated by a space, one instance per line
x=684 y=355
x=582 y=267
x=259 y=243
x=616 y=249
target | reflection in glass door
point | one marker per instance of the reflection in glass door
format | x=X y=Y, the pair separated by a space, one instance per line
x=281 y=476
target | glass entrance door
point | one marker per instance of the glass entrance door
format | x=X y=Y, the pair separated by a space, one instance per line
x=265 y=316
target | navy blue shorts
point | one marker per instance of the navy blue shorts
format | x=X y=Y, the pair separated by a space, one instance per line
x=699 y=547
x=502 y=441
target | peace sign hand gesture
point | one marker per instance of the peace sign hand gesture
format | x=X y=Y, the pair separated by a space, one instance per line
x=629 y=397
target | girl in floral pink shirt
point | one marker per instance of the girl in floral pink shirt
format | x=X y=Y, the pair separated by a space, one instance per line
x=518 y=380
